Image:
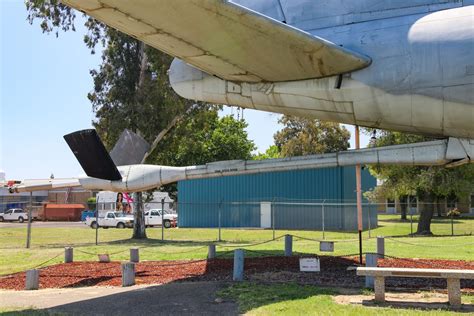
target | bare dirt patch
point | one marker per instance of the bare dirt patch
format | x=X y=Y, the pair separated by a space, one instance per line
x=425 y=300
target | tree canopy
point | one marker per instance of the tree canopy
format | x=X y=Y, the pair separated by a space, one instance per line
x=302 y=136
x=427 y=183
x=132 y=90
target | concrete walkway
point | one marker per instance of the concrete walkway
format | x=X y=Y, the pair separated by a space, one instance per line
x=197 y=298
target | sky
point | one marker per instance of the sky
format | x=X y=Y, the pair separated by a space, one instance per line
x=43 y=95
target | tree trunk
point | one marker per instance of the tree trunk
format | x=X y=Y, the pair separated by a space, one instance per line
x=139 y=228
x=139 y=231
x=426 y=215
x=438 y=206
x=403 y=206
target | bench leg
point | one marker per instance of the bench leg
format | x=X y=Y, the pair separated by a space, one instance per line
x=379 y=287
x=454 y=292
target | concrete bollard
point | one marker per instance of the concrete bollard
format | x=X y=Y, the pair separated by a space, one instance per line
x=128 y=274
x=381 y=247
x=288 y=245
x=134 y=255
x=32 y=280
x=68 y=255
x=238 y=265
x=370 y=261
x=211 y=254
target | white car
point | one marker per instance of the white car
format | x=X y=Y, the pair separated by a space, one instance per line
x=111 y=219
x=153 y=218
x=14 y=214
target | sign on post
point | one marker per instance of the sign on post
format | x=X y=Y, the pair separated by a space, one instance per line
x=326 y=246
x=309 y=265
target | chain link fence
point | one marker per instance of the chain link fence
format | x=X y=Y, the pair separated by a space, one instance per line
x=111 y=222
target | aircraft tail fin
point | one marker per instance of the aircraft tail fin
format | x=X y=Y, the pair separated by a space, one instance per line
x=92 y=155
x=130 y=149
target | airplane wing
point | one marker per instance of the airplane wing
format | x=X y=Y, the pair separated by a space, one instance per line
x=225 y=39
x=40 y=185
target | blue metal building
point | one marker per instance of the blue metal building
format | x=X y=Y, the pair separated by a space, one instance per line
x=301 y=199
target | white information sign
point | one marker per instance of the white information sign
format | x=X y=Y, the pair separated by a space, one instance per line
x=326 y=246
x=309 y=265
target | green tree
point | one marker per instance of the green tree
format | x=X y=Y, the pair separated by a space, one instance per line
x=271 y=153
x=302 y=136
x=132 y=90
x=430 y=184
x=201 y=138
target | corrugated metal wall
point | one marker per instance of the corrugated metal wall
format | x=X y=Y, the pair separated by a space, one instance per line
x=238 y=199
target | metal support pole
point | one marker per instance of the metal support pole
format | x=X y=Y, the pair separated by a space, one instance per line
x=273 y=218
x=359 y=195
x=97 y=221
x=288 y=245
x=220 y=218
x=238 y=265
x=381 y=247
x=30 y=215
x=368 y=212
x=162 y=219
x=324 y=225
x=411 y=217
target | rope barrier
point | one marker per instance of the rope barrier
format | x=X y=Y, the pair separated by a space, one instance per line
x=261 y=252
x=334 y=241
x=8 y=275
x=251 y=245
x=426 y=245
x=177 y=252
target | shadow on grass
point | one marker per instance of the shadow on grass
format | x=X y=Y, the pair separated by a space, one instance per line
x=196 y=298
x=252 y=295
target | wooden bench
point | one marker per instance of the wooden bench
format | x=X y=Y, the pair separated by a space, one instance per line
x=452 y=276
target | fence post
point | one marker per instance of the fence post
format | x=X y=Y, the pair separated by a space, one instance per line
x=368 y=212
x=97 y=205
x=30 y=214
x=324 y=225
x=32 y=280
x=162 y=219
x=273 y=217
x=128 y=274
x=370 y=261
x=220 y=223
x=238 y=265
x=134 y=255
x=288 y=245
x=381 y=247
x=411 y=216
x=211 y=254
x=68 y=255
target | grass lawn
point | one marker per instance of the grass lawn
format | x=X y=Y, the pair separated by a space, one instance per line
x=185 y=243
x=293 y=299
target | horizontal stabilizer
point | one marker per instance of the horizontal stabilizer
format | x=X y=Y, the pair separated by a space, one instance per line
x=92 y=155
x=225 y=39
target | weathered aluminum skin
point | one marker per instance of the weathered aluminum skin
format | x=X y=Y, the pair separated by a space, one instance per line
x=421 y=79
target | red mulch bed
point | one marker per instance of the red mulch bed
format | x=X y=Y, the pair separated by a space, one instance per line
x=334 y=272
